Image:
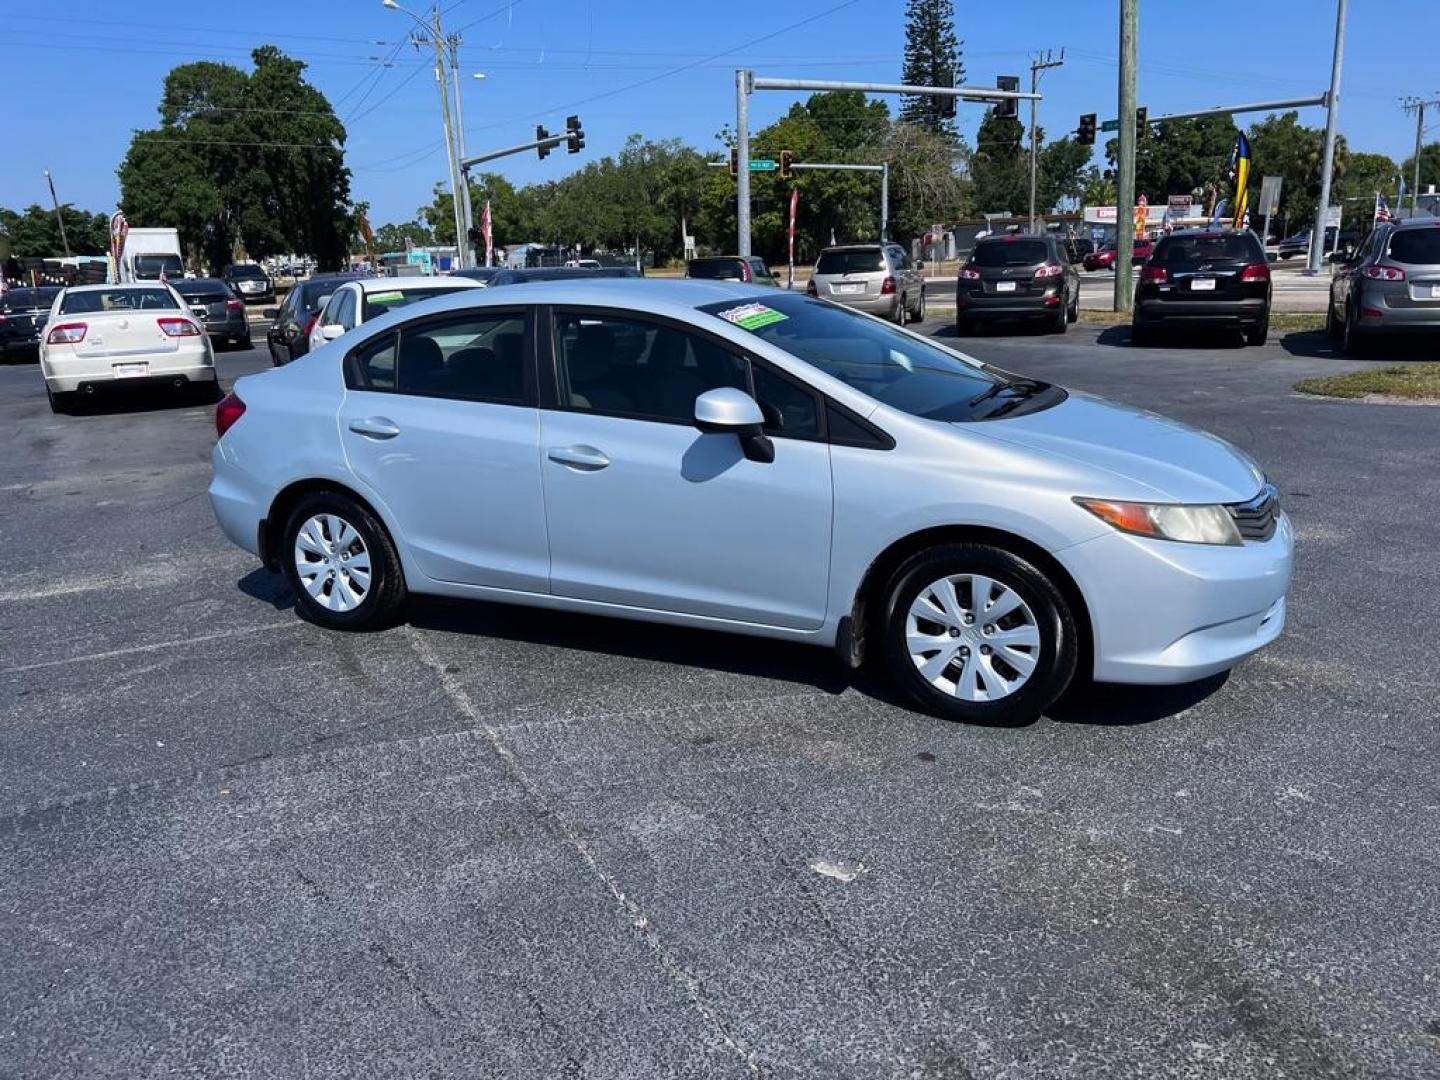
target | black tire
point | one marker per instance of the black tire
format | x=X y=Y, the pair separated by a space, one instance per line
x=1061 y=320
x=1257 y=334
x=920 y=308
x=1333 y=329
x=900 y=311
x=207 y=393
x=246 y=343
x=1056 y=655
x=59 y=403
x=1352 y=337
x=1073 y=313
x=385 y=598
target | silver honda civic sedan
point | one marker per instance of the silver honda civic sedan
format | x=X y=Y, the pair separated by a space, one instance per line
x=715 y=455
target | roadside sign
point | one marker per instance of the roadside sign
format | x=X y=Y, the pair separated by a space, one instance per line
x=763 y=165
x=1332 y=217
x=1110 y=125
x=1270 y=194
x=1179 y=206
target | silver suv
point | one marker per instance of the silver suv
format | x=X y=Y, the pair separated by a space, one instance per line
x=875 y=278
x=1392 y=283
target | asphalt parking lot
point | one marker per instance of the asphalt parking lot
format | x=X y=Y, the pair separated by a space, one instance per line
x=503 y=843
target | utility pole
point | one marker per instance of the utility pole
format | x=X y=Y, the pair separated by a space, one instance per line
x=742 y=174
x=60 y=218
x=466 y=218
x=1038 y=65
x=1332 y=111
x=1125 y=179
x=1418 y=107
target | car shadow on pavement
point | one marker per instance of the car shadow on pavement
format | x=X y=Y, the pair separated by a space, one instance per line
x=1178 y=340
x=998 y=328
x=272 y=588
x=1390 y=349
x=1117 y=705
x=164 y=399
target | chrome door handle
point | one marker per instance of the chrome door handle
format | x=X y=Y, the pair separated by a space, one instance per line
x=375 y=427
x=584 y=458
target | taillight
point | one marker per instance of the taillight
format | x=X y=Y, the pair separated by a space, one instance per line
x=969 y=273
x=887 y=287
x=810 y=289
x=1384 y=273
x=745 y=273
x=178 y=327
x=234 y=305
x=1049 y=270
x=69 y=333
x=230 y=409
x=1256 y=272
x=1154 y=275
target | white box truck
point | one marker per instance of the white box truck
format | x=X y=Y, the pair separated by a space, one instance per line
x=149 y=253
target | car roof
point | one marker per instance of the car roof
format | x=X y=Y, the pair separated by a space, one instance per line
x=196 y=282
x=136 y=285
x=856 y=247
x=1417 y=223
x=423 y=284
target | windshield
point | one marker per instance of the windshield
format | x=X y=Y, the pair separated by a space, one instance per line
x=378 y=303
x=1231 y=247
x=152 y=266
x=862 y=261
x=246 y=272
x=16 y=299
x=717 y=269
x=899 y=369
x=1010 y=253
x=1416 y=246
x=120 y=299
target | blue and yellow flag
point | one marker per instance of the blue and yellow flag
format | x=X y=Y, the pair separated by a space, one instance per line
x=1240 y=170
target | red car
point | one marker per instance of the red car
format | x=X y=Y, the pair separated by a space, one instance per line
x=1104 y=259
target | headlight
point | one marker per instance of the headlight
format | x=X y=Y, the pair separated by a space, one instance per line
x=1167 y=521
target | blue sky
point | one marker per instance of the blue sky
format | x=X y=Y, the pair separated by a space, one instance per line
x=82 y=74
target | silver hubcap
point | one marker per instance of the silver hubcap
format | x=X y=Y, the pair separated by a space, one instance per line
x=972 y=637
x=333 y=562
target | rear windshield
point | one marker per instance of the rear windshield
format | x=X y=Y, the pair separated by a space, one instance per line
x=246 y=272
x=27 y=298
x=378 y=303
x=1416 y=246
x=1010 y=253
x=850 y=262
x=96 y=300
x=201 y=287
x=1231 y=247
x=152 y=266
x=718 y=269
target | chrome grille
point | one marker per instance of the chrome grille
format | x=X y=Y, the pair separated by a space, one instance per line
x=1256 y=519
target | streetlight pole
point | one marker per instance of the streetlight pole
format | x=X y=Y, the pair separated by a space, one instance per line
x=1125 y=180
x=432 y=34
x=60 y=218
x=1332 y=111
x=1036 y=68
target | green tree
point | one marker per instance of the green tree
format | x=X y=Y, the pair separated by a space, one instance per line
x=242 y=160
x=393 y=236
x=34 y=232
x=1365 y=174
x=1180 y=157
x=932 y=53
x=1282 y=146
x=1429 y=168
x=999 y=170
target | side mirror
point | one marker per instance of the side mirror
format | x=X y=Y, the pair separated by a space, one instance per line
x=726 y=410
x=330 y=331
x=271 y=313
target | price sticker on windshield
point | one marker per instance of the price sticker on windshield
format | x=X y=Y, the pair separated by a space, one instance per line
x=752 y=316
x=385 y=297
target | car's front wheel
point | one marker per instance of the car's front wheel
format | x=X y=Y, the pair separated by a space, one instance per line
x=341 y=564
x=975 y=633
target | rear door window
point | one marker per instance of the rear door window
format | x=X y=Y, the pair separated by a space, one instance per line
x=1010 y=253
x=850 y=262
x=100 y=300
x=1421 y=246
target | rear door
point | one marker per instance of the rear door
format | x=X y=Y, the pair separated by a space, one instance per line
x=850 y=274
x=440 y=421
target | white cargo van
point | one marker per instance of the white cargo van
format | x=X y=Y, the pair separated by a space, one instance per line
x=151 y=253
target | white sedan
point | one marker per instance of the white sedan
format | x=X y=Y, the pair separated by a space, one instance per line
x=143 y=334
x=359 y=301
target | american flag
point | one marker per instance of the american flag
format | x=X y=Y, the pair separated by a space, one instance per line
x=1382 y=209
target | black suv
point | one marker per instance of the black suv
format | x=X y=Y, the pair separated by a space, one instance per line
x=249 y=282
x=23 y=313
x=1204 y=277
x=1017 y=276
x=289 y=335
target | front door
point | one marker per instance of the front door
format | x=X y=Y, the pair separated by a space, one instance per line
x=646 y=511
x=439 y=421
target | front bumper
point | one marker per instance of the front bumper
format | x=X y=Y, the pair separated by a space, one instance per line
x=1164 y=612
x=1247 y=312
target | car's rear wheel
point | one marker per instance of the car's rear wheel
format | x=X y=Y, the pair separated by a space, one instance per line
x=1074 y=311
x=1257 y=334
x=901 y=310
x=1333 y=328
x=974 y=633
x=1353 y=342
x=1060 y=321
x=920 y=308
x=59 y=403
x=341 y=564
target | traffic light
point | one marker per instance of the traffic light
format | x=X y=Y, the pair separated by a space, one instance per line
x=1007 y=107
x=786 y=157
x=946 y=106
x=577 y=134
x=540 y=135
x=734 y=163
x=1142 y=128
x=1085 y=133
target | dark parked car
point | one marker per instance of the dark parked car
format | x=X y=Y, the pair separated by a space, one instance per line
x=1299 y=244
x=23 y=313
x=1391 y=284
x=1104 y=259
x=748 y=269
x=1019 y=276
x=561 y=273
x=289 y=335
x=482 y=274
x=1204 y=277
x=249 y=281
x=219 y=310
x=1076 y=249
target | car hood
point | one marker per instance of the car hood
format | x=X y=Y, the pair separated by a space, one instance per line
x=1134 y=453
